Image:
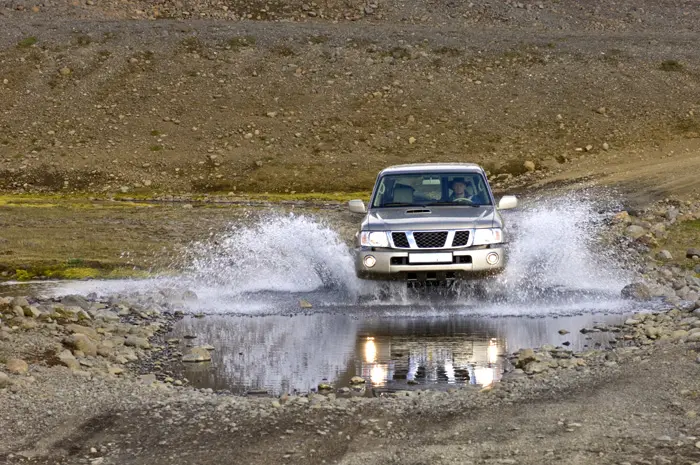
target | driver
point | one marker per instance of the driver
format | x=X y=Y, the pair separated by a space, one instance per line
x=459 y=189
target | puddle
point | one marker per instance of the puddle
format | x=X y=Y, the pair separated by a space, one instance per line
x=293 y=354
x=249 y=278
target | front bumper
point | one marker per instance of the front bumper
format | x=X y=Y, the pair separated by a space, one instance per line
x=394 y=264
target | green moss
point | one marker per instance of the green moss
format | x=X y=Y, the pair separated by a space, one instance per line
x=320 y=39
x=23 y=275
x=156 y=148
x=78 y=273
x=671 y=65
x=238 y=42
x=27 y=42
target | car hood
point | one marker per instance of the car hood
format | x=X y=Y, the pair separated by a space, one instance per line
x=430 y=218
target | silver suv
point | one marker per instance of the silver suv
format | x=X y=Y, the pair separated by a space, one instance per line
x=431 y=222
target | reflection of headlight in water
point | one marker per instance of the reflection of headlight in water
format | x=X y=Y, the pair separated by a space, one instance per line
x=492 y=351
x=378 y=375
x=484 y=376
x=370 y=350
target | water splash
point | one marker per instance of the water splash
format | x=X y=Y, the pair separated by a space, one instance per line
x=279 y=253
x=266 y=264
x=555 y=248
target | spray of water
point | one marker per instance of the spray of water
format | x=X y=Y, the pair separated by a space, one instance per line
x=279 y=253
x=266 y=265
x=555 y=247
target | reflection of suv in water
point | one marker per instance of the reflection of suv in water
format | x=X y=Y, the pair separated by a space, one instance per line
x=431 y=222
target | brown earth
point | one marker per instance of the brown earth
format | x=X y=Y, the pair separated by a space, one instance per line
x=93 y=99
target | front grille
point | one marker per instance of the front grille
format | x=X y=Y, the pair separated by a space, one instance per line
x=400 y=240
x=428 y=240
x=461 y=239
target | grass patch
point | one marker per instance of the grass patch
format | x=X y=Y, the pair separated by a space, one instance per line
x=671 y=66
x=192 y=44
x=239 y=42
x=27 y=42
x=448 y=51
x=83 y=40
x=318 y=39
x=78 y=273
x=283 y=51
x=305 y=196
x=398 y=53
x=681 y=237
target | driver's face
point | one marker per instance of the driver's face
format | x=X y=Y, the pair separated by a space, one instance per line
x=459 y=187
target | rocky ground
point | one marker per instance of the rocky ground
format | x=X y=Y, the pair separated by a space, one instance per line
x=87 y=380
x=163 y=100
x=320 y=96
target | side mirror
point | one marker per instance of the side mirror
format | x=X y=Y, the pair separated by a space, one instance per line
x=357 y=206
x=507 y=202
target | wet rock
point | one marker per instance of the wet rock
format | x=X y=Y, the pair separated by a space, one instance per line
x=106 y=315
x=17 y=366
x=536 y=367
x=136 y=341
x=664 y=255
x=634 y=231
x=652 y=332
x=679 y=334
x=563 y=332
x=75 y=301
x=636 y=291
x=357 y=380
x=4 y=380
x=324 y=387
x=82 y=343
x=305 y=304
x=32 y=312
x=197 y=354
x=525 y=356
x=19 y=302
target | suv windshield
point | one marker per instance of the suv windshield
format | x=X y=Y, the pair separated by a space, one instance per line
x=423 y=189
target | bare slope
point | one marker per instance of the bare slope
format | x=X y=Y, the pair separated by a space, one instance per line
x=104 y=104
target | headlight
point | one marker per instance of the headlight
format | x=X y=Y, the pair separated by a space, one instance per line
x=374 y=239
x=487 y=236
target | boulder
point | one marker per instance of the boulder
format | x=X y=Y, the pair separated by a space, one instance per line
x=664 y=256
x=4 y=380
x=693 y=253
x=135 y=341
x=75 y=301
x=525 y=357
x=19 y=302
x=79 y=329
x=197 y=354
x=32 y=312
x=82 y=343
x=634 y=231
x=536 y=367
x=17 y=366
x=636 y=291
x=66 y=357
